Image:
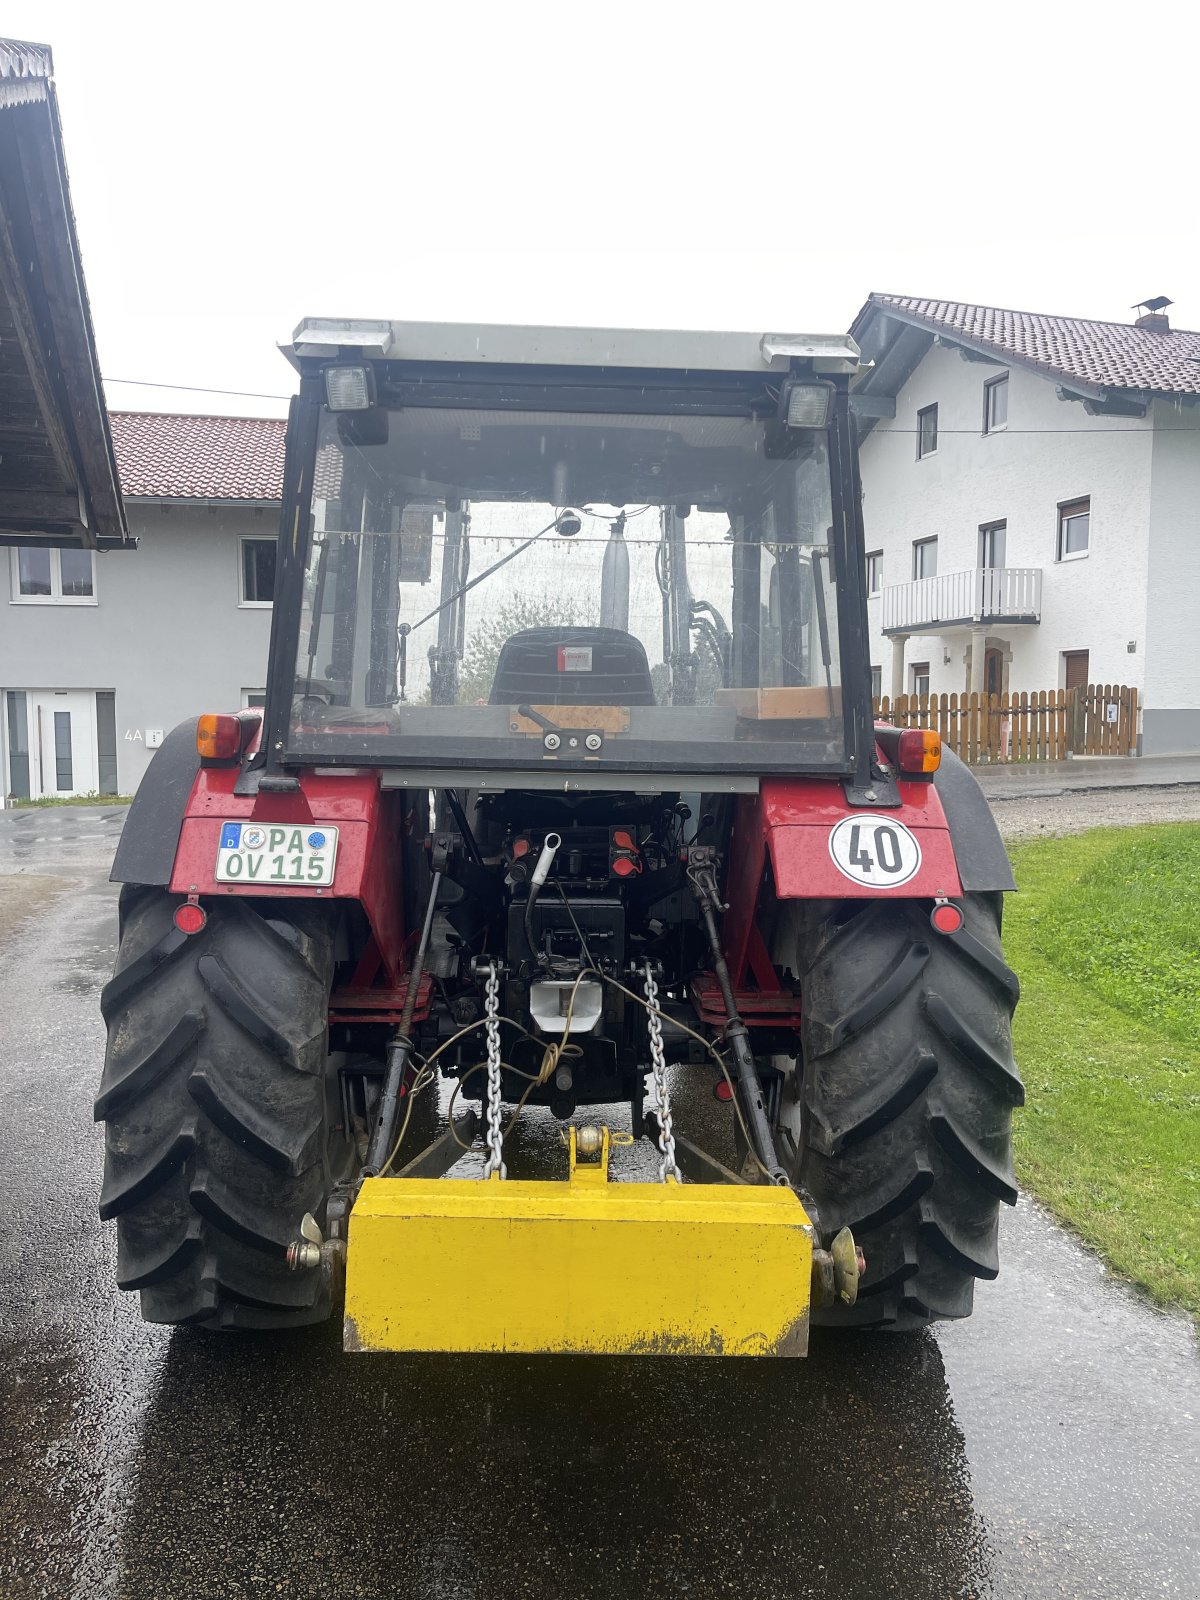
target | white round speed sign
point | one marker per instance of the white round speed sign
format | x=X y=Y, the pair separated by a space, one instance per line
x=875 y=850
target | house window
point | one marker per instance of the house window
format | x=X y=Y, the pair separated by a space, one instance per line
x=924 y=558
x=253 y=699
x=876 y=683
x=53 y=577
x=919 y=677
x=926 y=431
x=1074 y=528
x=992 y=539
x=64 y=774
x=258 y=571
x=874 y=571
x=995 y=404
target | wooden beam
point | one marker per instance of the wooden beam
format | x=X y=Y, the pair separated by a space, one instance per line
x=972 y=355
x=71 y=320
x=63 y=538
x=12 y=283
x=1102 y=404
x=1115 y=405
x=29 y=507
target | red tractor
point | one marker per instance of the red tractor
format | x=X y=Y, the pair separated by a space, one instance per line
x=567 y=782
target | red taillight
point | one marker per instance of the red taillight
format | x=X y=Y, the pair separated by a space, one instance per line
x=946 y=917
x=723 y=1089
x=189 y=917
x=919 y=750
x=218 y=738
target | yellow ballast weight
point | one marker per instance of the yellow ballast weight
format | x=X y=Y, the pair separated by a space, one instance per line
x=580 y=1267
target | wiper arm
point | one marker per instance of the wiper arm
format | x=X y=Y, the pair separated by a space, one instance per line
x=562 y=521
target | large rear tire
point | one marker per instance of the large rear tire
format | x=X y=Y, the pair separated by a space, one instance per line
x=907 y=1091
x=220 y=1129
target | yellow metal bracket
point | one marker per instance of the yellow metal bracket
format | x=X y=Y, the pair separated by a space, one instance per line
x=587 y=1141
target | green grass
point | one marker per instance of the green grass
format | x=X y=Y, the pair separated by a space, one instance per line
x=92 y=799
x=1105 y=936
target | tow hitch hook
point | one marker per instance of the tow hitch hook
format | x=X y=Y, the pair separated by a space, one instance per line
x=836 y=1271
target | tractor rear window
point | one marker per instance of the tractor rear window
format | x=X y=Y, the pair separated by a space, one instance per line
x=520 y=589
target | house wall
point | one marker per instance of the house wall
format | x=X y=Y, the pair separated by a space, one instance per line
x=1171 y=722
x=167 y=634
x=1051 y=451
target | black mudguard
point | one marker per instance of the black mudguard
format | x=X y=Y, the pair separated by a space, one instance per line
x=983 y=864
x=150 y=837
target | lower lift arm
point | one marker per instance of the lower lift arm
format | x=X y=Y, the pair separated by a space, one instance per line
x=703 y=878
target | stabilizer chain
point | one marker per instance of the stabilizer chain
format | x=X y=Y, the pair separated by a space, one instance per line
x=494 y=1135
x=667 y=1167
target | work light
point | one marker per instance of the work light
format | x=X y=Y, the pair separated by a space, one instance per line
x=806 y=405
x=349 y=388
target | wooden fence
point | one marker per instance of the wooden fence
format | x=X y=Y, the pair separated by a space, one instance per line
x=1045 y=725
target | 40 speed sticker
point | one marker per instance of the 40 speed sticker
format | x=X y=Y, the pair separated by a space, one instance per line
x=875 y=851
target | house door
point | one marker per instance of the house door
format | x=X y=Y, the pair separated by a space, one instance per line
x=1076 y=664
x=993 y=672
x=62 y=741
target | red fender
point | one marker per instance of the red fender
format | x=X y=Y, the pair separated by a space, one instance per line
x=790 y=823
x=369 y=866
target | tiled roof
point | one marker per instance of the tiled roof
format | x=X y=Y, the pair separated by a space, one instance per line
x=1106 y=355
x=199 y=458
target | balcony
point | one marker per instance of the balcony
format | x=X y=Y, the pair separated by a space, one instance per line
x=963 y=600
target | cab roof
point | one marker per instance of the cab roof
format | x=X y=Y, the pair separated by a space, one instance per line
x=319 y=339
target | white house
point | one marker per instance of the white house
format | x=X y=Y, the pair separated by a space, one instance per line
x=1031 y=494
x=103 y=651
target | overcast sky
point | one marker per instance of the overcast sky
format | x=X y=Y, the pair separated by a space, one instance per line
x=710 y=164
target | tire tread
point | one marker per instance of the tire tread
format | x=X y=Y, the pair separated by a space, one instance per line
x=214 y=1100
x=908 y=1089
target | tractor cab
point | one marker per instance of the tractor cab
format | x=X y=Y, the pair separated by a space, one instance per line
x=491 y=535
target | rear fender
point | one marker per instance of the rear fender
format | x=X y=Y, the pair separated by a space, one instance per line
x=369 y=863
x=804 y=830
x=150 y=838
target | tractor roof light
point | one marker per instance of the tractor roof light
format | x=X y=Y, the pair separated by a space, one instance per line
x=919 y=751
x=803 y=404
x=349 y=388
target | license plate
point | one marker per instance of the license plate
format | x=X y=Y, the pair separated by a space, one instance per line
x=253 y=852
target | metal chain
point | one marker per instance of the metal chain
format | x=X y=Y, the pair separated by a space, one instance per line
x=495 y=1140
x=666 y=1134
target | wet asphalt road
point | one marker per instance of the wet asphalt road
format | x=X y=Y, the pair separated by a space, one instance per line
x=1047 y=1447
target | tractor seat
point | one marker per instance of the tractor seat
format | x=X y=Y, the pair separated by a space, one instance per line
x=572 y=667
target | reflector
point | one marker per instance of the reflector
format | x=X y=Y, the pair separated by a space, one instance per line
x=190 y=918
x=947 y=917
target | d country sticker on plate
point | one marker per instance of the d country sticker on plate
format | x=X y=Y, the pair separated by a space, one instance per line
x=275 y=853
